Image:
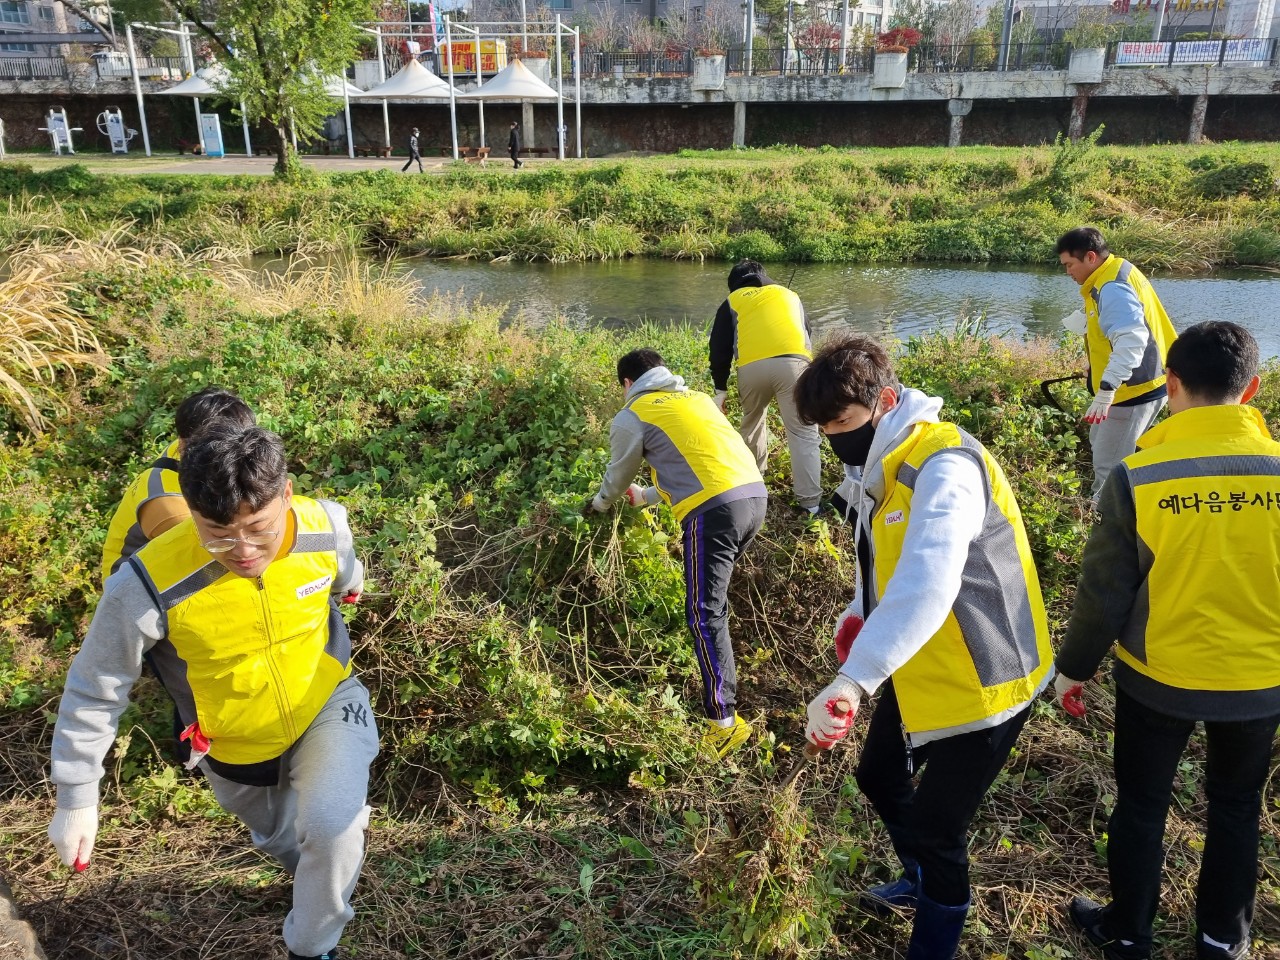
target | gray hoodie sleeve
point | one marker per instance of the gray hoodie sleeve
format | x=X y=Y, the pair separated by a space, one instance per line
x=350 y=569
x=125 y=626
x=947 y=512
x=626 y=452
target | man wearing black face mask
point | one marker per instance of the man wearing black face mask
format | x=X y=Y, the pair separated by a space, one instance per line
x=954 y=636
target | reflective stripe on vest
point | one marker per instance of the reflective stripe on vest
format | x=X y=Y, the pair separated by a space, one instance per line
x=124 y=534
x=693 y=453
x=992 y=653
x=770 y=323
x=1206 y=490
x=1148 y=375
x=260 y=656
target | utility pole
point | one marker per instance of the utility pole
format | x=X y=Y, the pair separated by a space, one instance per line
x=844 y=32
x=1006 y=34
x=1159 y=27
x=751 y=33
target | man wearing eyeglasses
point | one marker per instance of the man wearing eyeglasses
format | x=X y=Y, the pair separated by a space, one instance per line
x=234 y=609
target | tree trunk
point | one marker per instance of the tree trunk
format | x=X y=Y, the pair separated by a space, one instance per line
x=288 y=166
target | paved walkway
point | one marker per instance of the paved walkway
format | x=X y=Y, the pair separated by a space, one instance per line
x=168 y=163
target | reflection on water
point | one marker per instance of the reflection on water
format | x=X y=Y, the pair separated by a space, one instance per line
x=904 y=299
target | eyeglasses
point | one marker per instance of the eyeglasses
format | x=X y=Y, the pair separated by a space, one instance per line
x=227 y=544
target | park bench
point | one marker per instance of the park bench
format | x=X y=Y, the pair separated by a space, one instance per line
x=475 y=153
x=370 y=151
x=535 y=151
x=263 y=151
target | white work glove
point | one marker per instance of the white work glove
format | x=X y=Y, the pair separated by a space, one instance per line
x=73 y=833
x=1102 y=401
x=1076 y=322
x=635 y=495
x=832 y=711
x=720 y=398
x=1069 y=694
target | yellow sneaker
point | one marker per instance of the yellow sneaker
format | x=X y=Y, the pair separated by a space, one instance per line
x=721 y=741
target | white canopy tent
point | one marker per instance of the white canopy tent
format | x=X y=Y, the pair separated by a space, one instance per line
x=515 y=81
x=339 y=89
x=413 y=81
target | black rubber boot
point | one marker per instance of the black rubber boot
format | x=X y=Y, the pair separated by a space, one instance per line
x=935 y=934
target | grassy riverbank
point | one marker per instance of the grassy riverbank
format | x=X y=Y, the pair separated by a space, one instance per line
x=538 y=793
x=1171 y=207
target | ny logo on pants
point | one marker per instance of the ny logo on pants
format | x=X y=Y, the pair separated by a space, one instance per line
x=355 y=713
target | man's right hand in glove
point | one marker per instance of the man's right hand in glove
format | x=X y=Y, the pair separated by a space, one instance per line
x=635 y=495
x=721 y=398
x=1101 y=406
x=1070 y=694
x=832 y=711
x=73 y=833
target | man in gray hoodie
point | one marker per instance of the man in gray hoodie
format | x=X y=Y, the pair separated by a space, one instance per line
x=946 y=622
x=234 y=609
x=702 y=468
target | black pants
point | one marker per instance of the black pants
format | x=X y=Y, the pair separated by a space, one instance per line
x=713 y=541
x=1148 y=746
x=414 y=155
x=929 y=823
x=514 y=153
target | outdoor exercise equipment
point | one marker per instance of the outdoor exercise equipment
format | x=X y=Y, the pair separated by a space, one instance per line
x=59 y=129
x=112 y=126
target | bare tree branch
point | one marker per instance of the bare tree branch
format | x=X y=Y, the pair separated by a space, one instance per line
x=83 y=14
x=190 y=12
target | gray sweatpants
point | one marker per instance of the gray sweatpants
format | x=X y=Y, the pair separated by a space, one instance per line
x=313 y=820
x=1117 y=436
x=760 y=382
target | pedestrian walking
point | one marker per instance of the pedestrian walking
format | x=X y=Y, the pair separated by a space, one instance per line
x=701 y=467
x=414 y=155
x=513 y=146
x=1180 y=574
x=1127 y=334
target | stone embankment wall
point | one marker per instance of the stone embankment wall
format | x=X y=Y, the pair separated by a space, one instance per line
x=17 y=942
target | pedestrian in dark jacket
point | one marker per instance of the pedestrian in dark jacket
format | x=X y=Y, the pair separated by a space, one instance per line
x=413 y=152
x=513 y=146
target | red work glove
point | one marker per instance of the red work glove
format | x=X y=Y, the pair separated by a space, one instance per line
x=1069 y=693
x=352 y=596
x=847 y=629
x=832 y=711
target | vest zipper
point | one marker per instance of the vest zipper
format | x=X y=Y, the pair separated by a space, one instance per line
x=286 y=717
x=906 y=742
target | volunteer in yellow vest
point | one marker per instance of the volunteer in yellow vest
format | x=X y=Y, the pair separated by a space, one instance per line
x=1182 y=573
x=1126 y=334
x=947 y=623
x=762 y=323
x=153 y=503
x=235 y=609
x=701 y=467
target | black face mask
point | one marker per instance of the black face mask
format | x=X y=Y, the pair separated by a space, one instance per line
x=852 y=446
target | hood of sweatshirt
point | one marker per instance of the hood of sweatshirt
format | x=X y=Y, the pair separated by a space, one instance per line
x=656 y=378
x=913 y=406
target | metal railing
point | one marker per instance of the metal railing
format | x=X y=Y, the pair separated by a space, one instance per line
x=115 y=66
x=981 y=57
x=783 y=62
x=625 y=63
x=33 y=68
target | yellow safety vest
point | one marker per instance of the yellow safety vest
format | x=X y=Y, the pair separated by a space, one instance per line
x=696 y=458
x=770 y=323
x=124 y=535
x=1148 y=375
x=261 y=655
x=1206 y=490
x=992 y=653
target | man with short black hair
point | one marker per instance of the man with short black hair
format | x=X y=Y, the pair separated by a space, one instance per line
x=234 y=608
x=1181 y=573
x=701 y=467
x=1127 y=334
x=947 y=622
x=153 y=502
x=763 y=325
